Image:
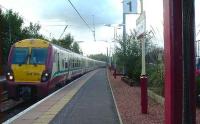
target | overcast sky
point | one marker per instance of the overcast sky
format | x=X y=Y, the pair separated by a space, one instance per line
x=53 y=15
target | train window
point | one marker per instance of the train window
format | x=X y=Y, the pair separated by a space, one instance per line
x=58 y=61
x=20 y=55
x=54 y=56
x=66 y=65
x=73 y=64
x=38 y=55
x=63 y=63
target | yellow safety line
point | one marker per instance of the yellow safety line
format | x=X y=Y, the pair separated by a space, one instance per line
x=53 y=111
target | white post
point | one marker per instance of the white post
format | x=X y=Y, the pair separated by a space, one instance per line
x=143 y=57
x=143 y=46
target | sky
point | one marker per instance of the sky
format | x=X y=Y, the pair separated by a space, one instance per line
x=54 y=15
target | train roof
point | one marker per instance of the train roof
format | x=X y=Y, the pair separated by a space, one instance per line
x=45 y=43
x=32 y=43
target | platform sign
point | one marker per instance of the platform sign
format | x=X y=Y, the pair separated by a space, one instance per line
x=141 y=24
x=130 y=6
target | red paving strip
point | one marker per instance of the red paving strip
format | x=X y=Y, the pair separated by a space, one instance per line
x=128 y=102
x=198 y=116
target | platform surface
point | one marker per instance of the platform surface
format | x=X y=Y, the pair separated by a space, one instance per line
x=87 y=100
x=93 y=104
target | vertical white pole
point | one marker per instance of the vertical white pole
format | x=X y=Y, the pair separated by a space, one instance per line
x=143 y=57
x=124 y=37
x=143 y=46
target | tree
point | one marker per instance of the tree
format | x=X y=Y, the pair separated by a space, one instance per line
x=32 y=31
x=65 y=42
x=128 y=54
x=100 y=57
x=76 y=48
x=68 y=43
x=11 y=31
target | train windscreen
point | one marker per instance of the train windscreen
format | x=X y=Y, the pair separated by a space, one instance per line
x=38 y=56
x=20 y=55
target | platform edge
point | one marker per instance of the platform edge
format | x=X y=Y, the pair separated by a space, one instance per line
x=118 y=114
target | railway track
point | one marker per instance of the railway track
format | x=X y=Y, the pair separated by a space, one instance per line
x=10 y=108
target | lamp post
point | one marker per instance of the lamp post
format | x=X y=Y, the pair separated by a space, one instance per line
x=109 y=51
x=114 y=38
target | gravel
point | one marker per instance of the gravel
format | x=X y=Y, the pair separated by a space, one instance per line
x=128 y=102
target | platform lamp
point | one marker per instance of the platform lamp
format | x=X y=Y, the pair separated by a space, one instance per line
x=115 y=27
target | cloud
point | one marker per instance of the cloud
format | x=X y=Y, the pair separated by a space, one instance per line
x=104 y=11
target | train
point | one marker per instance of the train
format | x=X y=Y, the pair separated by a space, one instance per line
x=36 y=67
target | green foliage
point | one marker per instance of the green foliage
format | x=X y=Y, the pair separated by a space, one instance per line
x=12 y=31
x=65 y=42
x=100 y=57
x=76 y=48
x=68 y=43
x=128 y=54
x=32 y=31
x=155 y=67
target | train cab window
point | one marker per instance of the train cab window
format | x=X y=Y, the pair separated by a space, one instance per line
x=38 y=55
x=20 y=55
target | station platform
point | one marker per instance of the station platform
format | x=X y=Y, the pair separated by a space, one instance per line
x=86 y=100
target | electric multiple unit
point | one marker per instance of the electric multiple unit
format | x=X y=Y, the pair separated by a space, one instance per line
x=37 y=66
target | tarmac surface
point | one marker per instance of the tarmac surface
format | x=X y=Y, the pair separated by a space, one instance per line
x=86 y=100
x=92 y=104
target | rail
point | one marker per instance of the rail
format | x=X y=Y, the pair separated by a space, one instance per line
x=2 y=79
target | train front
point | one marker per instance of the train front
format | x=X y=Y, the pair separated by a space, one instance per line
x=29 y=71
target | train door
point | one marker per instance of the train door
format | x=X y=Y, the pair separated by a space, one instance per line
x=67 y=65
x=70 y=65
x=58 y=62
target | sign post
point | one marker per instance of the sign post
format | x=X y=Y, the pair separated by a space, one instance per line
x=141 y=30
x=129 y=7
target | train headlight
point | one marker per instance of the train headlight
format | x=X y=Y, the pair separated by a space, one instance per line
x=10 y=76
x=45 y=76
